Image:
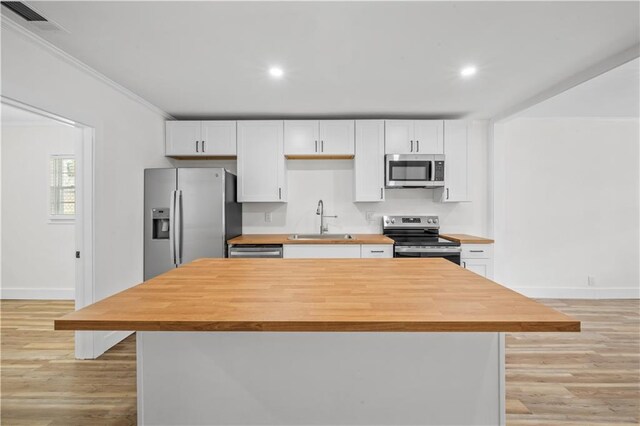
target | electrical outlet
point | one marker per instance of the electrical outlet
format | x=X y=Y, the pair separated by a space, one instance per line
x=370 y=216
x=591 y=281
x=267 y=217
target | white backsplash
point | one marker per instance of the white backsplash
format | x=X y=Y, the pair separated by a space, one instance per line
x=332 y=181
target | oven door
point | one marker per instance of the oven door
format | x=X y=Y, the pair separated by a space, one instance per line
x=452 y=254
x=409 y=170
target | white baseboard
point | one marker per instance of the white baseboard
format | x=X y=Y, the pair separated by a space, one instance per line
x=38 y=293
x=579 y=293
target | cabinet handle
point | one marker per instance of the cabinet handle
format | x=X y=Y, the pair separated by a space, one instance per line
x=279 y=193
x=418 y=146
x=447 y=193
x=197 y=146
x=464 y=264
x=321 y=146
x=411 y=146
x=381 y=193
x=316 y=146
x=203 y=150
x=476 y=251
x=377 y=251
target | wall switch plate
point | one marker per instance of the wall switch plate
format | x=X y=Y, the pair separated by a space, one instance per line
x=370 y=216
x=267 y=217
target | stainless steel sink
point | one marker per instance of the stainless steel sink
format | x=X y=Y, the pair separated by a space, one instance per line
x=321 y=237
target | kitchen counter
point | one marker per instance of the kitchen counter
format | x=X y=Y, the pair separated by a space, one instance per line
x=466 y=239
x=319 y=295
x=322 y=341
x=284 y=239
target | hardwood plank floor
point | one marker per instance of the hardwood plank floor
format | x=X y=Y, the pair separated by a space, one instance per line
x=587 y=378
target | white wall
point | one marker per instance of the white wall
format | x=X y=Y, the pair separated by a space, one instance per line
x=567 y=207
x=332 y=181
x=128 y=138
x=37 y=255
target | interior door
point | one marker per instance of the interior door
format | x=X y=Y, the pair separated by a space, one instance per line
x=200 y=213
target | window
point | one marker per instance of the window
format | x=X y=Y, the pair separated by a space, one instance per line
x=62 y=187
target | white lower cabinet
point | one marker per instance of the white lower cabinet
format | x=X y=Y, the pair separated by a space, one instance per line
x=369 y=251
x=478 y=258
x=337 y=251
x=321 y=251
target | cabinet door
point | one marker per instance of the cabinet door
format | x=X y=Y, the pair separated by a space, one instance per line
x=261 y=164
x=456 y=162
x=399 y=137
x=483 y=267
x=301 y=137
x=321 y=251
x=428 y=136
x=376 y=251
x=218 y=138
x=336 y=137
x=369 y=161
x=182 y=138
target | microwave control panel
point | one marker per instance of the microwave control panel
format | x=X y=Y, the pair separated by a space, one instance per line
x=438 y=176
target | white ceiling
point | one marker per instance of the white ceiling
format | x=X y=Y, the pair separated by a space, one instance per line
x=613 y=94
x=209 y=59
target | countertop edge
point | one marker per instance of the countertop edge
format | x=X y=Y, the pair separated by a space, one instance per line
x=466 y=239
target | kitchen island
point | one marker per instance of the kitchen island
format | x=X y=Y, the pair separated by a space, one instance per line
x=320 y=341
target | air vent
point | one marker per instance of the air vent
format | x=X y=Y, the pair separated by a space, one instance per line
x=24 y=11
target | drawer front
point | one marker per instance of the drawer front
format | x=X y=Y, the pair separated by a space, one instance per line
x=321 y=251
x=377 y=251
x=477 y=251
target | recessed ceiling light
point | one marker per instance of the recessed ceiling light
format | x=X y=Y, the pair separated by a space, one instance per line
x=468 y=71
x=276 y=72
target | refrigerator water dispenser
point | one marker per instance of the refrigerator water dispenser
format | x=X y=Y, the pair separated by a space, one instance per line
x=160 y=223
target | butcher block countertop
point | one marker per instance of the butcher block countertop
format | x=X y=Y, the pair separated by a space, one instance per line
x=466 y=239
x=284 y=239
x=319 y=295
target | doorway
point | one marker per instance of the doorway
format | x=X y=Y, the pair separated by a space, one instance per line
x=47 y=210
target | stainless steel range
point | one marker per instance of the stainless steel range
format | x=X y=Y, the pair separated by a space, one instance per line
x=419 y=236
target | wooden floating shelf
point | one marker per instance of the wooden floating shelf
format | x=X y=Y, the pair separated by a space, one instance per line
x=319 y=157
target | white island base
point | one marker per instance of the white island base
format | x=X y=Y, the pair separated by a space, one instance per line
x=320 y=378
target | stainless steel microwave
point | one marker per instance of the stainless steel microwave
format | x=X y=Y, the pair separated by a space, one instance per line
x=419 y=170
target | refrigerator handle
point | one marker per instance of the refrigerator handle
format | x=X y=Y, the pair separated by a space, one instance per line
x=179 y=228
x=172 y=227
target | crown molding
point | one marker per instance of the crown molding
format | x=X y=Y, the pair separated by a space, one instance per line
x=17 y=28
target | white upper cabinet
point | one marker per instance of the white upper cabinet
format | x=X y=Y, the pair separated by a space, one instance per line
x=219 y=138
x=318 y=137
x=261 y=163
x=182 y=138
x=456 y=162
x=399 y=137
x=369 y=161
x=414 y=137
x=301 y=137
x=200 y=139
x=428 y=136
x=337 y=137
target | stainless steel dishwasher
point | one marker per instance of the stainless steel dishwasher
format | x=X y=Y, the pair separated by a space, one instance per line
x=256 y=251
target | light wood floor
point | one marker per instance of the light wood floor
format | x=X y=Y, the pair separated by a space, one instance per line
x=590 y=378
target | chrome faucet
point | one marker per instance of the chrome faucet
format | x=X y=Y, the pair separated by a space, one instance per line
x=320 y=212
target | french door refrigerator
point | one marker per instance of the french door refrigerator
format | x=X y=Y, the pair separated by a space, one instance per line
x=189 y=213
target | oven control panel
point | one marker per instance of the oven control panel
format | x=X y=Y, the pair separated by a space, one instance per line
x=410 y=222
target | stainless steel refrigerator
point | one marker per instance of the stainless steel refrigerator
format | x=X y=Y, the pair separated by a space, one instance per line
x=189 y=213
